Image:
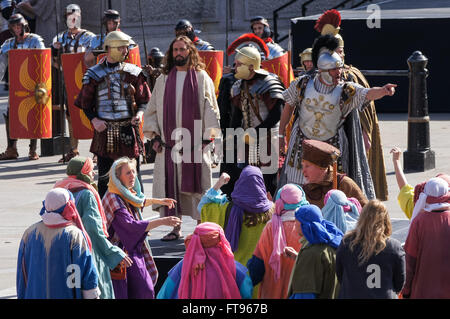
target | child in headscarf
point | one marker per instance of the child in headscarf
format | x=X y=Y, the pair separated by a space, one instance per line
x=268 y=264
x=80 y=182
x=340 y=210
x=123 y=203
x=55 y=251
x=314 y=273
x=208 y=269
x=245 y=216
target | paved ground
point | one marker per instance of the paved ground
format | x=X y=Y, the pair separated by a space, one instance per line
x=24 y=184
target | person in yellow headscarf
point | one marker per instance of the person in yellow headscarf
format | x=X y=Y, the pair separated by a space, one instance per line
x=123 y=203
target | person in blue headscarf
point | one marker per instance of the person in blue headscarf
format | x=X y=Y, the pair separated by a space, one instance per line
x=314 y=273
x=340 y=210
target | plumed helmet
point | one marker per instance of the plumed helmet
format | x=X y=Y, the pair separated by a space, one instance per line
x=306 y=55
x=249 y=39
x=326 y=45
x=249 y=55
x=329 y=23
x=117 y=39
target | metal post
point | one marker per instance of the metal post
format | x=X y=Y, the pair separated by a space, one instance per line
x=418 y=157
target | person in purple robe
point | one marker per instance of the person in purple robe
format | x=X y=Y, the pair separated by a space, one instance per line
x=123 y=204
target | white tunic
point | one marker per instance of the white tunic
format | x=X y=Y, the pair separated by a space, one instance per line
x=153 y=125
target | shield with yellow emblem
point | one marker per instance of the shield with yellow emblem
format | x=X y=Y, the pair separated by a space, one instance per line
x=214 y=66
x=74 y=69
x=30 y=93
x=134 y=57
x=281 y=66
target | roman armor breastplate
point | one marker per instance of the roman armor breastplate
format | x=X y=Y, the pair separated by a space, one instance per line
x=32 y=41
x=97 y=42
x=320 y=114
x=112 y=101
x=74 y=44
x=275 y=50
x=203 y=45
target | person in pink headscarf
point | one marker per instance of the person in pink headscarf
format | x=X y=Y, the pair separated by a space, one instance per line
x=268 y=265
x=208 y=269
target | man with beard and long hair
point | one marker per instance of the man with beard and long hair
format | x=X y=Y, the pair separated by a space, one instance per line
x=183 y=99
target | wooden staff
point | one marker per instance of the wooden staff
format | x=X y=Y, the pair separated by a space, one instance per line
x=334 y=157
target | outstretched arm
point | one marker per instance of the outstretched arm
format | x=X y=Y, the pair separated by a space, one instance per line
x=377 y=93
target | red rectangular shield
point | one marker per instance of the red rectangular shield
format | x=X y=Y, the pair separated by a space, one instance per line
x=30 y=93
x=282 y=67
x=74 y=69
x=134 y=56
x=214 y=66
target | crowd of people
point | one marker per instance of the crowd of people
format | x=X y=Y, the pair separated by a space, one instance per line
x=297 y=211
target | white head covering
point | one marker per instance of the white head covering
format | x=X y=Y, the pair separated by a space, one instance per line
x=56 y=198
x=435 y=187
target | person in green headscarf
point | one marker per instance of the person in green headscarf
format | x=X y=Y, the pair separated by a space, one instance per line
x=80 y=182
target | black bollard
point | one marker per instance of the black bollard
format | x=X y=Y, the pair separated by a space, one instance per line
x=418 y=157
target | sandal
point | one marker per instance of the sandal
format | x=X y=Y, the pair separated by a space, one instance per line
x=10 y=153
x=32 y=156
x=69 y=156
x=171 y=236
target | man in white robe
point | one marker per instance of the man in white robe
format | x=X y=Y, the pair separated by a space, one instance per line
x=173 y=106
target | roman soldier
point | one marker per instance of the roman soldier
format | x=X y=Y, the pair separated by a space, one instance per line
x=111 y=22
x=154 y=67
x=306 y=61
x=321 y=103
x=72 y=40
x=114 y=96
x=257 y=103
x=22 y=39
x=184 y=27
x=329 y=23
x=260 y=27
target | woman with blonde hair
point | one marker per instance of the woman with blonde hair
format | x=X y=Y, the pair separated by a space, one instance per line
x=123 y=204
x=370 y=264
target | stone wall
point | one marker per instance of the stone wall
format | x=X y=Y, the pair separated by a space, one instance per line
x=208 y=16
